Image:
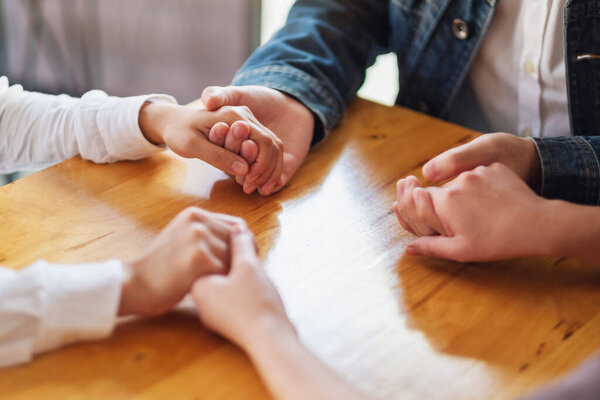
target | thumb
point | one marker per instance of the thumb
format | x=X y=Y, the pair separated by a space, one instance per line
x=434 y=246
x=290 y=166
x=204 y=287
x=455 y=161
x=215 y=97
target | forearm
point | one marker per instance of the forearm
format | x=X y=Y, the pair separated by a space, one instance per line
x=573 y=231
x=321 y=55
x=290 y=371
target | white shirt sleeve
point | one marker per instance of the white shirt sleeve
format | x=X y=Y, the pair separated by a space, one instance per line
x=37 y=128
x=46 y=306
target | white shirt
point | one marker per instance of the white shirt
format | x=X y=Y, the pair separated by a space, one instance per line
x=519 y=75
x=46 y=306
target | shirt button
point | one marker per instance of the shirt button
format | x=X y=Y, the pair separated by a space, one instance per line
x=460 y=29
x=529 y=67
x=527 y=132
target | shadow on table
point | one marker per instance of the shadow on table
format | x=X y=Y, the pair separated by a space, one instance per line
x=507 y=314
x=130 y=362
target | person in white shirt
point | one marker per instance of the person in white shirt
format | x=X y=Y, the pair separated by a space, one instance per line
x=46 y=306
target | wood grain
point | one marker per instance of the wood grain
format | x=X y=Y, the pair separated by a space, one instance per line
x=397 y=326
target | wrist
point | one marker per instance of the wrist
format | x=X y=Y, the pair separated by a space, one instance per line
x=149 y=120
x=265 y=331
x=129 y=290
x=557 y=221
x=534 y=167
x=306 y=114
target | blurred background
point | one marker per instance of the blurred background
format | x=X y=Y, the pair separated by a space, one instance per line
x=144 y=46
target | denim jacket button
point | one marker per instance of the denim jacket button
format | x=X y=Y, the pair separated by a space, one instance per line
x=460 y=29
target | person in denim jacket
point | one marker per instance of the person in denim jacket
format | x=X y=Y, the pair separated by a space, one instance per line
x=300 y=81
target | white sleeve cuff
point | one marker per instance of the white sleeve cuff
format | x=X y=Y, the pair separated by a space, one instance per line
x=81 y=302
x=119 y=128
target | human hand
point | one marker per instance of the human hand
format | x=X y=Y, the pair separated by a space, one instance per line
x=185 y=130
x=194 y=244
x=516 y=153
x=485 y=214
x=243 y=304
x=289 y=119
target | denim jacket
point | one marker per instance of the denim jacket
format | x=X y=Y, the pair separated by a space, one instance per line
x=320 y=58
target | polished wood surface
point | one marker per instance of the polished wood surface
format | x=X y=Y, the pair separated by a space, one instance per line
x=397 y=326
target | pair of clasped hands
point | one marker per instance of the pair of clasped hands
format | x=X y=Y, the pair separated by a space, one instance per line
x=213 y=256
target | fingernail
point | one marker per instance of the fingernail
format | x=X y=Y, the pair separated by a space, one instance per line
x=238 y=167
x=238 y=133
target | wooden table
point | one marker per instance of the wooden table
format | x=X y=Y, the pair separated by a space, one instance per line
x=397 y=326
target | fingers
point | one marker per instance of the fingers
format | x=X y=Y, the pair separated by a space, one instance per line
x=218 y=157
x=243 y=249
x=415 y=210
x=208 y=260
x=401 y=220
x=454 y=161
x=218 y=133
x=425 y=211
x=270 y=148
x=239 y=132
x=215 y=97
x=406 y=206
x=436 y=246
x=212 y=218
x=249 y=151
x=269 y=187
x=270 y=157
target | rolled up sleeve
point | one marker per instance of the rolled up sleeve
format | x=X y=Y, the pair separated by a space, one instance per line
x=570 y=168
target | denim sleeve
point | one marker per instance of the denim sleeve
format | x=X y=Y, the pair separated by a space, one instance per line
x=321 y=55
x=570 y=168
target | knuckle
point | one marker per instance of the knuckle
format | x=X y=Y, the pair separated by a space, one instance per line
x=239 y=221
x=200 y=232
x=497 y=166
x=472 y=176
x=190 y=213
x=244 y=110
x=450 y=194
x=399 y=185
x=200 y=253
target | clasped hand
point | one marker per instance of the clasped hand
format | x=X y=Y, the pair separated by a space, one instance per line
x=488 y=211
x=213 y=257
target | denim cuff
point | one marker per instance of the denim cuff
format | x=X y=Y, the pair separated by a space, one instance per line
x=305 y=88
x=570 y=169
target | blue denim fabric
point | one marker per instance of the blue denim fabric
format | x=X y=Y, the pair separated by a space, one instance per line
x=570 y=168
x=320 y=57
x=582 y=48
